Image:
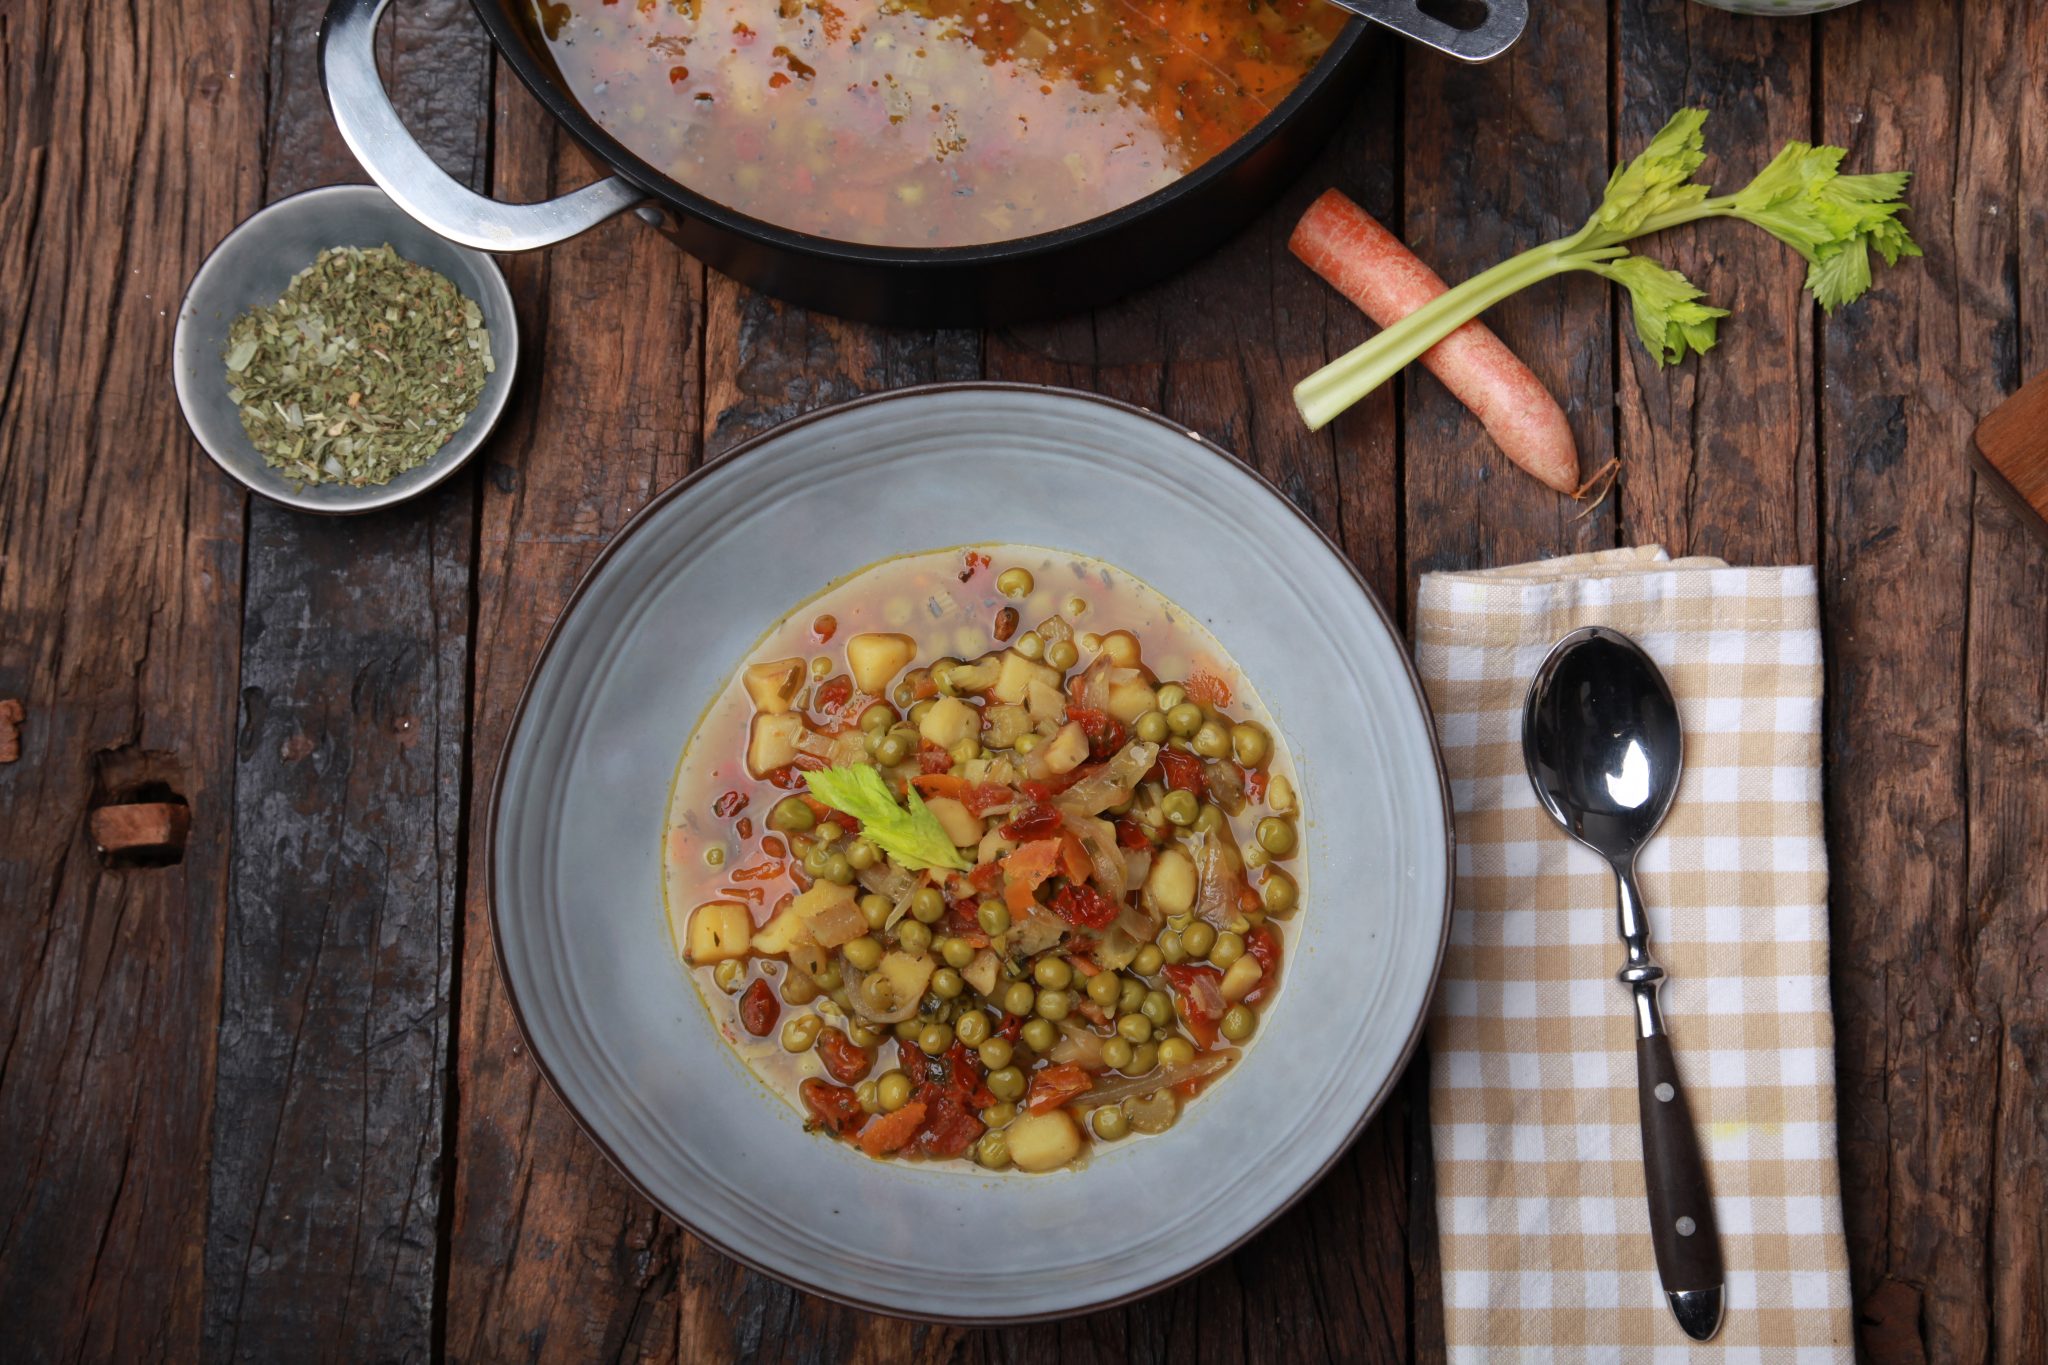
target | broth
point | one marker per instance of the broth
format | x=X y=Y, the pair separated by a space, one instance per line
x=930 y=123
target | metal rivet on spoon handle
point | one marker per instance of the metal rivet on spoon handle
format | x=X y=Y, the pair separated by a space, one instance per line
x=1601 y=739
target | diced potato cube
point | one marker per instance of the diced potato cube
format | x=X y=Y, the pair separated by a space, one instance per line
x=1017 y=674
x=772 y=742
x=962 y=828
x=718 y=932
x=1044 y=700
x=978 y=676
x=1242 y=978
x=1003 y=725
x=1068 y=749
x=875 y=658
x=773 y=685
x=779 y=934
x=949 y=721
x=983 y=972
x=1171 y=882
x=907 y=973
x=831 y=913
x=1043 y=1142
x=1130 y=700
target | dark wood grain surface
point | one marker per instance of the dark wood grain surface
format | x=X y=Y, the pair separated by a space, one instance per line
x=267 y=1102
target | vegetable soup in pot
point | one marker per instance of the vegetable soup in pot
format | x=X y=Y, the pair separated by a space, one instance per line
x=982 y=856
x=930 y=123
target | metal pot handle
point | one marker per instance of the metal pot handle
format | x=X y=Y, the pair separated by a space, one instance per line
x=373 y=131
x=1480 y=42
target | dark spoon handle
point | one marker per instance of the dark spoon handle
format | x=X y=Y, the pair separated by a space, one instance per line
x=1682 y=1226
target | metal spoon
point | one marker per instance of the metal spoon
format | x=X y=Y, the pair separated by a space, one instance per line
x=1601 y=739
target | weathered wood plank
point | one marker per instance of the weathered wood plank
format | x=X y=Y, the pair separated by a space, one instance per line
x=1497 y=159
x=1719 y=450
x=335 y=1035
x=1936 y=698
x=552 y=1255
x=126 y=151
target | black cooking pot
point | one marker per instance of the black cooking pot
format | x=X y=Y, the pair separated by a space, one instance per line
x=1052 y=272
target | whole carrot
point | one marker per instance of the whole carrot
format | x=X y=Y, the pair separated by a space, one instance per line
x=1368 y=265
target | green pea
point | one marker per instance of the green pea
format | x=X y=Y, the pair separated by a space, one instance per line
x=878 y=718
x=995 y=1053
x=1158 y=1007
x=1103 y=988
x=791 y=816
x=831 y=832
x=992 y=1151
x=1250 y=743
x=838 y=869
x=1209 y=819
x=1171 y=949
x=828 y=980
x=1006 y=1083
x=966 y=751
x=870 y=1099
x=875 y=908
x=1031 y=645
x=1238 y=1023
x=1040 y=1034
x=1176 y=1052
x=1198 y=938
x=893 y=1089
x=957 y=952
x=1279 y=892
x=1211 y=740
x=934 y=1039
x=1062 y=655
x=1185 y=719
x=862 y=1035
x=993 y=916
x=815 y=858
x=971 y=1028
x=1143 y=1059
x=1129 y=996
x=1276 y=836
x=928 y=905
x=1015 y=583
x=1026 y=742
x=902 y=694
x=871 y=742
x=1171 y=695
x=1054 y=1005
x=1229 y=948
x=1180 y=807
x=1135 y=1028
x=907 y=1031
x=999 y=1114
x=918 y=712
x=1254 y=856
x=891 y=751
x=1018 y=998
x=1152 y=728
x=862 y=855
x=912 y=937
x=1052 y=972
x=800 y=1033
x=1116 y=1054
x=946 y=983
x=728 y=974
x=1148 y=961
x=1109 y=1122
x=942 y=677
x=798 y=988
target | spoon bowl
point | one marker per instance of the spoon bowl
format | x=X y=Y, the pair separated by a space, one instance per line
x=1602 y=741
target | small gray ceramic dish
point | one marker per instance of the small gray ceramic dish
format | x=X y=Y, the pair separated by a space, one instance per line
x=254 y=265
x=673 y=605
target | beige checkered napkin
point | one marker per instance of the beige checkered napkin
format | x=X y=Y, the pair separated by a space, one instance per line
x=1546 y=1252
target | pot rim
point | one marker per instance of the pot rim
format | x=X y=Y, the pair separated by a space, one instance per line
x=520 y=50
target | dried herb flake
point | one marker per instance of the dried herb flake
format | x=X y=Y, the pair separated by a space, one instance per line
x=364 y=369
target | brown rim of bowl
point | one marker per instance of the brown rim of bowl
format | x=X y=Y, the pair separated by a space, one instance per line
x=747 y=447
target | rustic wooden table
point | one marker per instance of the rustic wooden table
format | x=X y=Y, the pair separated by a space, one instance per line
x=268 y=1102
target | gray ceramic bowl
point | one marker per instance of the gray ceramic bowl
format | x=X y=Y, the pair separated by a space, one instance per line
x=665 y=615
x=255 y=263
